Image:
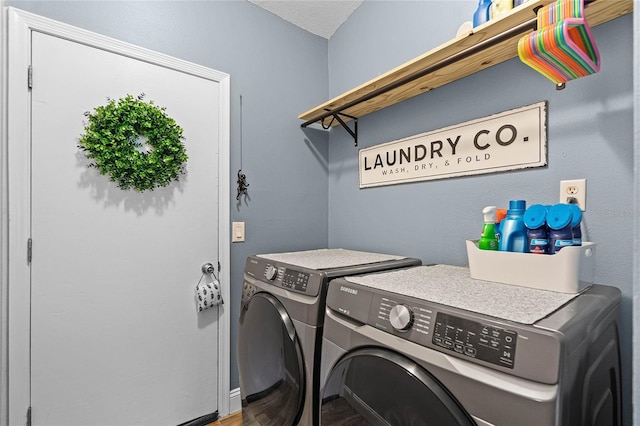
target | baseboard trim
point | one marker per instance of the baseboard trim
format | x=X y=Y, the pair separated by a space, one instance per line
x=235 y=401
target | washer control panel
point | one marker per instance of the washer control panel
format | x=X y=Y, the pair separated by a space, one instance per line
x=506 y=346
x=425 y=324
x=476 y=340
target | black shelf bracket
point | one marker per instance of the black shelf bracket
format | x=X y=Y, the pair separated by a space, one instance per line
x=336 y=116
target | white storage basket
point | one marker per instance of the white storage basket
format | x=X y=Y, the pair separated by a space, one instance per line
x=568 y=271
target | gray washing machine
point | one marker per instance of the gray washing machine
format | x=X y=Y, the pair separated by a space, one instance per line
x=280 y=331
x=431 y=346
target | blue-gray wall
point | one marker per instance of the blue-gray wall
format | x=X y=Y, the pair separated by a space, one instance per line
x=280 y=70
x=590 y=136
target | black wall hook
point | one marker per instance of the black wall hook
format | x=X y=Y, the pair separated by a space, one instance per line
x=242 y=184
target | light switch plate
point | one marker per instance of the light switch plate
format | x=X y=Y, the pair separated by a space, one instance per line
x=237 y=232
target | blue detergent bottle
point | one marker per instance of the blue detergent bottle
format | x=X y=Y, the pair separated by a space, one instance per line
x=535 y=219
x=559 y=222
x=513 y=233
x=481 y=14
x=576 y=218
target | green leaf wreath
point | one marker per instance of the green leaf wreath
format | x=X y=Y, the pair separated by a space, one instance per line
x=135 y=142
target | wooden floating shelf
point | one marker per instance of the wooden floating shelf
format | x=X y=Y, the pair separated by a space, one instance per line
x=597 y=12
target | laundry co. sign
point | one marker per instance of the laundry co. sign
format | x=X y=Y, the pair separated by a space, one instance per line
x=510 y=140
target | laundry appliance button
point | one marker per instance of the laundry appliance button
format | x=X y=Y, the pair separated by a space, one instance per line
x=271 y=273
x=401 y=317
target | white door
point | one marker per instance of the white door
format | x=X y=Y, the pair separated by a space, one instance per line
x=115 y=336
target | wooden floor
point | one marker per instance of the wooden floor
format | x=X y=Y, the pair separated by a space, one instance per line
x=234 y=419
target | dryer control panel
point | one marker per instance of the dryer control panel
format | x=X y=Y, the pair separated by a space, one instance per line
x=295 y=280
x=284 y=276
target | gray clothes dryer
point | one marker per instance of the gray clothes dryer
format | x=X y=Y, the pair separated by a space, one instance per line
x=280 y=329
x=431 y=346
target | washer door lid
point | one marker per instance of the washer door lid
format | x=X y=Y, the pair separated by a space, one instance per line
x=380 y=387
x=270 y=363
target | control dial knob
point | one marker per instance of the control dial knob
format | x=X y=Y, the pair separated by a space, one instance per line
x=271 y=273
x=401 y=317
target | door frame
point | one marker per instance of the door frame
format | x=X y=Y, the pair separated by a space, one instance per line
x=16 y=200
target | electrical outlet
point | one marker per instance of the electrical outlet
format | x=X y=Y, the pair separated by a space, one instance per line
x=574 y=192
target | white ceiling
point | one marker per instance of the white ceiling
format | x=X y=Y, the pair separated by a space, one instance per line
x=320 y=17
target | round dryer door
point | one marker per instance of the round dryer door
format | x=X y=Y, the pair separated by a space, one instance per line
x=270 y=363
x=379 y=387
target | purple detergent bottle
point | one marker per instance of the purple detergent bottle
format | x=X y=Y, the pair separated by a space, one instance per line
x=535 y=219
x=559 y=222
x=576 y=218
